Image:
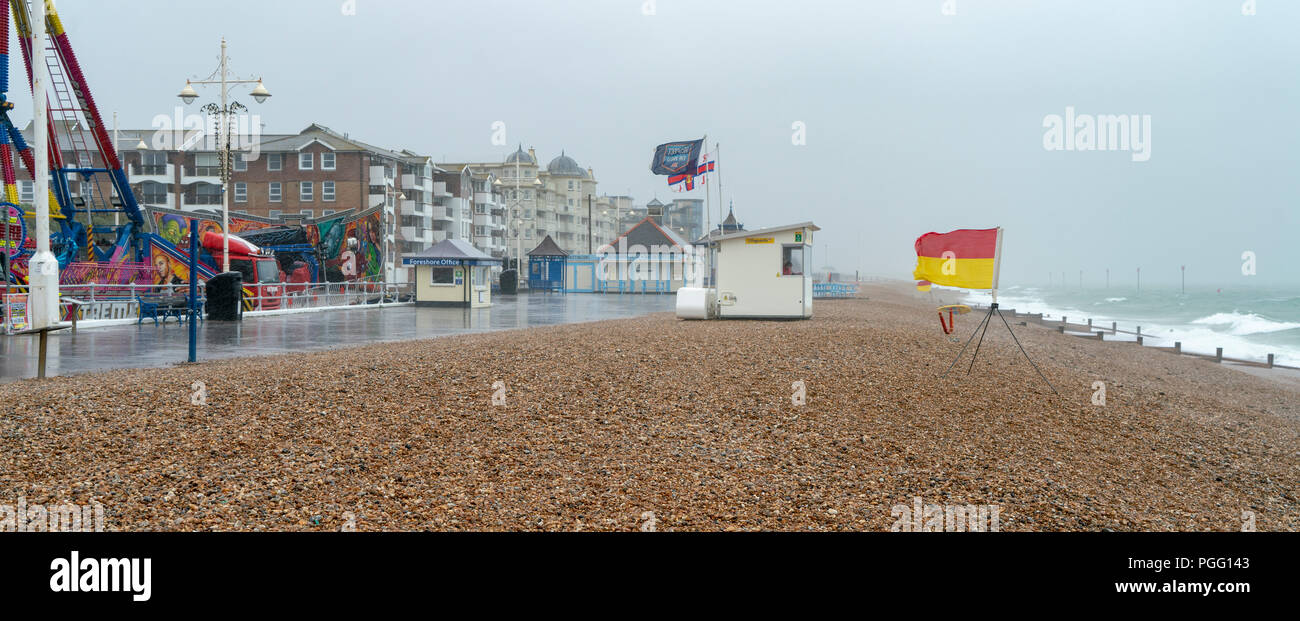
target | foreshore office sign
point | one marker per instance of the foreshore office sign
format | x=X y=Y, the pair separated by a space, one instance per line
x=448 y=262
x=677 y=158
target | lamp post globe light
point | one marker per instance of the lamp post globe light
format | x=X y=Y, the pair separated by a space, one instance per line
x=224 y=112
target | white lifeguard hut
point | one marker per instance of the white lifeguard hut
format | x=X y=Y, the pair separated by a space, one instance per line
x=763 y=274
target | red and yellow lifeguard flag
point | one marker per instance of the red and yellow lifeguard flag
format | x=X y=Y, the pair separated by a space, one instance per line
x=965 y=258
x=922 y=285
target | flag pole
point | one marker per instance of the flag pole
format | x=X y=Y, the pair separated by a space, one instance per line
x=717 y=156
x=997 y=266
x=708 y=219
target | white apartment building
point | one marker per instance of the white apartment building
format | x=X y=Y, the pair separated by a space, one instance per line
x=537 y=201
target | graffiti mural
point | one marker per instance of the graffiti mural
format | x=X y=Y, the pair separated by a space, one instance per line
x=166 y=269
x=175 y=226
x=349 y=244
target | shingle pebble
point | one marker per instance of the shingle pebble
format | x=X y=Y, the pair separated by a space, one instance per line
x=691 y=423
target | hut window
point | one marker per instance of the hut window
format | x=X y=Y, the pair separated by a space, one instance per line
x=443 y=276
x=792 y=260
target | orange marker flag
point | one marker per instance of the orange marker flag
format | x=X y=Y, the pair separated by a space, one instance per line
x=965 y=258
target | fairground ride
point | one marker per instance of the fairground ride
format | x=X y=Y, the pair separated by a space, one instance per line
x=101 y=222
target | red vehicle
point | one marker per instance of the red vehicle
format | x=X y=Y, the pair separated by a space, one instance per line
x=263 y=279
x=296 y=278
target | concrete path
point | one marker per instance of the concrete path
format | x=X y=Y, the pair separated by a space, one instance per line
x=146 y=345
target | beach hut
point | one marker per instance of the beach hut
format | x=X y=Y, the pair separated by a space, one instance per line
x=766 y=274
x=648 y=258
x=546 y=266
x=452 y=273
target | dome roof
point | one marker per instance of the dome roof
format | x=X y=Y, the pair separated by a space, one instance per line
x=565 y=166
x=521 y=157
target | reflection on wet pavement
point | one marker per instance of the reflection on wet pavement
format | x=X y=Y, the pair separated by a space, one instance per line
x=146 y=345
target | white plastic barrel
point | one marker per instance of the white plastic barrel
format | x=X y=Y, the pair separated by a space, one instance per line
x=694 y=302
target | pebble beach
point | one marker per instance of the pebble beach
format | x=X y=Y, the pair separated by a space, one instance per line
x=653 y=423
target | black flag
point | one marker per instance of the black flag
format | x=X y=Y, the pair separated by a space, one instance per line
x=677 y=158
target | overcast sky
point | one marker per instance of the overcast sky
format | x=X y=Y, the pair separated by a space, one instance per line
x=916 y=120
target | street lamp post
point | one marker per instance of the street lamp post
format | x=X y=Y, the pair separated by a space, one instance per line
x=227 y=109
x=43 y=268
x=519 y=247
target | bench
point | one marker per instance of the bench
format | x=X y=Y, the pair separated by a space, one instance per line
x=153 y=306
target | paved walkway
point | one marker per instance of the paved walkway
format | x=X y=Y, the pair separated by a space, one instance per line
x=146 y=345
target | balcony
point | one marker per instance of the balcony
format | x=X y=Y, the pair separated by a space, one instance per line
x=200 y=174
x=379 y=176
x=158 y=174
x=409 y=207
x=446 y=214
x=376 y=200
x=417 y=182
x=440 y=189
x=157 y=200
x=410 y=233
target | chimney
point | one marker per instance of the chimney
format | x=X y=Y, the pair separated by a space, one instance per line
x=532 y=154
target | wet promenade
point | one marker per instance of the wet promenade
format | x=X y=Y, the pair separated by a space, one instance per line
x=146 y=345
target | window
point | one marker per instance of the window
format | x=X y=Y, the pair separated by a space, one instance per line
x=241 y=192
x=480 y=231
x=305 y=191
x=26 y=191
x=207 y=194
x=207 y=164
x=275 y=213
x=570 y=185
x=570 y=202
x=327 y=212
x=273 y=191
x=241 y=164
x=152 y=193
x=154 y=163
x=327 y=160
x=274 y=161
x=307 y=213
x=304 y=161
x=792 y=260
x=443 y=276
x=327 y=191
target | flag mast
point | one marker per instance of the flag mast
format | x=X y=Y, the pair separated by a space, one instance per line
x=708 y=220
x=717 y=156
x=997 y=266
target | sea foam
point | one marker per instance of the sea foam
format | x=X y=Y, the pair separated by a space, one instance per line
x=1241 y=324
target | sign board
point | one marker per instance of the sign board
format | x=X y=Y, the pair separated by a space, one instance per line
x=798 y=237
x=16 y=312
x=759 y=240
x=109 y=310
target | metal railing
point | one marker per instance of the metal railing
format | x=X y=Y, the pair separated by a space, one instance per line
x=98 y=301
x=294 y=296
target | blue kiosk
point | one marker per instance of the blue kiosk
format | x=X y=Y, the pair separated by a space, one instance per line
x=546 y=266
